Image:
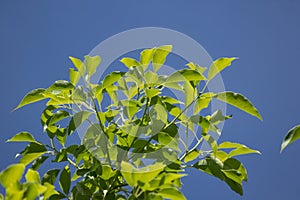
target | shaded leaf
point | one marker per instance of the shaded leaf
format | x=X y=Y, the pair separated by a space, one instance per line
x=65 y=179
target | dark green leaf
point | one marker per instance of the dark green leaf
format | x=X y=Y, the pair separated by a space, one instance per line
x=38 y=162
x=65 y=180
x=50 y=176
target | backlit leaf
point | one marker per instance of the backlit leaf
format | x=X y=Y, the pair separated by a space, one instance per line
x=160 y=56
x=22 y=137
x=31 y=97
x=219 y=65
x=92 y=62
x=239 y=101
x=292 y=136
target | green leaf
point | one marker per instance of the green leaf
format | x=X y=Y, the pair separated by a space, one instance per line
x=65 y=180
x=130 y=62
x=239 y=101
x=56 y=117
x=28 y=158
x=74 y=76
x=292 y=136
x=77 y=120
x=32 y=176
x=50 y=176
x=31 y=97
x=91 y=64
x=79 y=65
x=59 y=86
x=239 y=149
x=189 y=93
x=22 y=137
x=49 y=191
x=32 y=152
x=160 y=56
x=11 y=175
x=219 y=65
x=202 y=102
x=146 y=57
x=38 y=162
x=185 y=75
x=112 y=78
x=192 y=155
x=217 y=117
x=171 y=193
x=196 y=67
x=134 y=175
x=152 y=92
x=79 y=94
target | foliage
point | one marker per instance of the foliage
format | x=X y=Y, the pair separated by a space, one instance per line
x=291 y=136
x=132 y=151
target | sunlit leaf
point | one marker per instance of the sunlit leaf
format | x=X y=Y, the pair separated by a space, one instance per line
x=32 y=96
x=185 y=75
x=130 y=62
x=292 y=136
x=32 y=176
x=240 y=102
x=160 y=56
x=171 y=193
x=22 y=137
x=79 y=65
x=11 y=175
x=92 y=62
x=74 y=76
x=146 y=57
x=219 y=65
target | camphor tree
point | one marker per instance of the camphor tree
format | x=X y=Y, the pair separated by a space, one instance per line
x=133 y=147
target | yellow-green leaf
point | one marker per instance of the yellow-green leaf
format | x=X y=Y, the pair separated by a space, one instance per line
x=91 y=64
x=160 y=56
x=239 y=101
x=74 y=76
x=219 y=65
x=22 y=137
x=292 y=136
x=31 y=97
x=130 y=62
x=11 y=175
x=146 y=57
x=79 y=65
x=32 y=176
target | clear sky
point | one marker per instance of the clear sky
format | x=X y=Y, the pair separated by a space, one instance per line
x=36 y=38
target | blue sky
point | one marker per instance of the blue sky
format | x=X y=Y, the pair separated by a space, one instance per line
x=37 y=37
